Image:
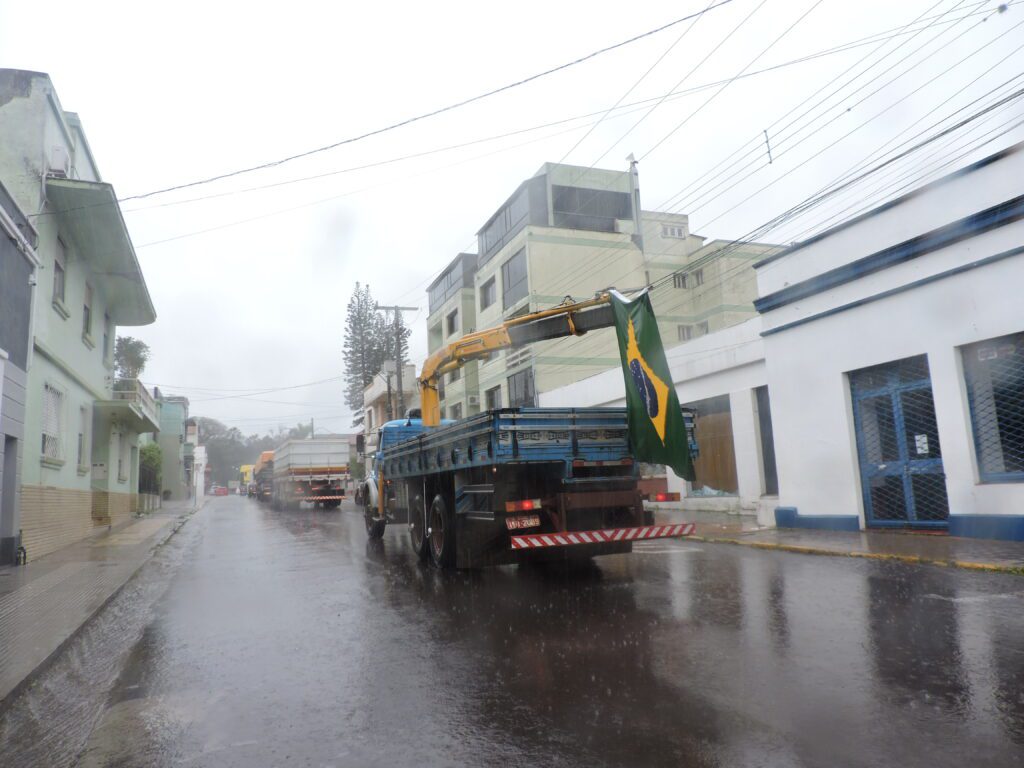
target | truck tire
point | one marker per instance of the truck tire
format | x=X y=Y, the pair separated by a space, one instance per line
x=417 y=525
x=441 y=533
x=374 y=527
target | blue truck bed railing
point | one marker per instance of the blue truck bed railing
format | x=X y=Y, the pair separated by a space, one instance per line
x=508 y=435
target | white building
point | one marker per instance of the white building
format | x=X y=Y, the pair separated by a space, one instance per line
x=892 y=347
x=381 y=401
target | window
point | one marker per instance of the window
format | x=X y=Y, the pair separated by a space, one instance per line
x=492 y=397
x=513 y=279
x=668 y=231
x=685 y=332
x=452 y=322
x=59 y=265
x=590 y=209
x=53 y=418
x=456 y=411
x=520 y=389
x=764 y=422
x=87 y=311
x=107 y=351
x=82 y=455
x=702 y=328
x=679 y=280
x=488 y=294
x=122 y=457
x=698 y=277
x=994 y=370
x=455 y=375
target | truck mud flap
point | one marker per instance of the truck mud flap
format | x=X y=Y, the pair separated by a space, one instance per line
x=601 y=536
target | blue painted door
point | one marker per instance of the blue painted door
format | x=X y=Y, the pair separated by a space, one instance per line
x=898 y=445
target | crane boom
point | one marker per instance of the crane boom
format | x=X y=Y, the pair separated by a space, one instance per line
x=570 y=319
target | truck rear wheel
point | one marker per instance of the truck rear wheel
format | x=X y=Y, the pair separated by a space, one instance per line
x=441 y=533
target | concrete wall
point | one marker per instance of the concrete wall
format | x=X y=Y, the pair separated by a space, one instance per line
x=171 y=440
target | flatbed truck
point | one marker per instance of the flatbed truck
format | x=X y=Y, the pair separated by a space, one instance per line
x=515 y=483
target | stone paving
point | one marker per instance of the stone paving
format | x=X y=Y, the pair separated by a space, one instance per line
x=44 y=603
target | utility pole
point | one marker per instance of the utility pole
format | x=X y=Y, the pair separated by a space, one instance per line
x=399 y=362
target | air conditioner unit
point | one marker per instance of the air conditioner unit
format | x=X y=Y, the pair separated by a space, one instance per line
x=474 y=399
x=59 y=162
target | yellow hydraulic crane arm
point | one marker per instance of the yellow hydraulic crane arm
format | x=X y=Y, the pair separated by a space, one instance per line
x=567 y=319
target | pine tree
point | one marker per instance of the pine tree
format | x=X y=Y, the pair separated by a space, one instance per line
x=363 y=346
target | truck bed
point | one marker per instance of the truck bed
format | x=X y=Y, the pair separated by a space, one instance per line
x=508 y=436
x=315 y=458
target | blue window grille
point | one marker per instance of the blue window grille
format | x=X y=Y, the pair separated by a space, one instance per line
x=994 y=370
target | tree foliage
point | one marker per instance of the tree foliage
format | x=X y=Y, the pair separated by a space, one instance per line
x=370 y=339
x=130 y=357
x=151 y=458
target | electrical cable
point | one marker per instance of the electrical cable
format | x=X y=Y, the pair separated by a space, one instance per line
x=424 y=116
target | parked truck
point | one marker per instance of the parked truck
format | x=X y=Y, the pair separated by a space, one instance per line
x=263 y=476
x=513 y=483
x=313 y=470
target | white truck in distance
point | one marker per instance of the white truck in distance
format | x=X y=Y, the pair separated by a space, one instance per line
x=313 y=470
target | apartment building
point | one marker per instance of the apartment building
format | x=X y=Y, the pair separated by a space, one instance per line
x=569 y=232
x=79 y=465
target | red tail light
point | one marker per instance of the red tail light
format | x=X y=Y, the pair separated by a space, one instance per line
x=522 y=506
x=666 y=497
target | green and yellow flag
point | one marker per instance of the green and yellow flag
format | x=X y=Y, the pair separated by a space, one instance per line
x=656 y=427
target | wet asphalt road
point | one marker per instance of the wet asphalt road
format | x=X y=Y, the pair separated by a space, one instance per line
x=285 y=638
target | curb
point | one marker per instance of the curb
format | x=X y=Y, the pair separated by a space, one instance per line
x=911 y=559
x=43 y=665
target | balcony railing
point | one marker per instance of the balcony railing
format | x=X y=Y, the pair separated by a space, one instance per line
x=132 y=391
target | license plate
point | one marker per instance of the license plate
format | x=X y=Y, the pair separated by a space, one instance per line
x=523 y=521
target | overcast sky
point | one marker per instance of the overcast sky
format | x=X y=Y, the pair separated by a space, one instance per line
x=250 y=287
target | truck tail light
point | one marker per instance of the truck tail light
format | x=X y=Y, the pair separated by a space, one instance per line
x=522 y=506
x=666 y=497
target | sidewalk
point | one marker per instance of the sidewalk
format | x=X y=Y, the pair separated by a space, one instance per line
x=43 y=604
x=908 y=547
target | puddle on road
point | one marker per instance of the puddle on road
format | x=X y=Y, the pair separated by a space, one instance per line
x=49 y=723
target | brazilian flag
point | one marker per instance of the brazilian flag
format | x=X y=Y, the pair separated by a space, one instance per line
x=656 y=427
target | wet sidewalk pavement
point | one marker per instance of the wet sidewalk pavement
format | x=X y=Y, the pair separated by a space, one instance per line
x=44 y=603
x=904 y=546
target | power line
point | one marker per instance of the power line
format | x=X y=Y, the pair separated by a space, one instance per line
x=843 y=112
x=625 y=109
x=432 y=113
x=268 y=391
x=633 y=87
x=859 y=126
x=729 y=82
x=700 y=182
x=680 y=82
